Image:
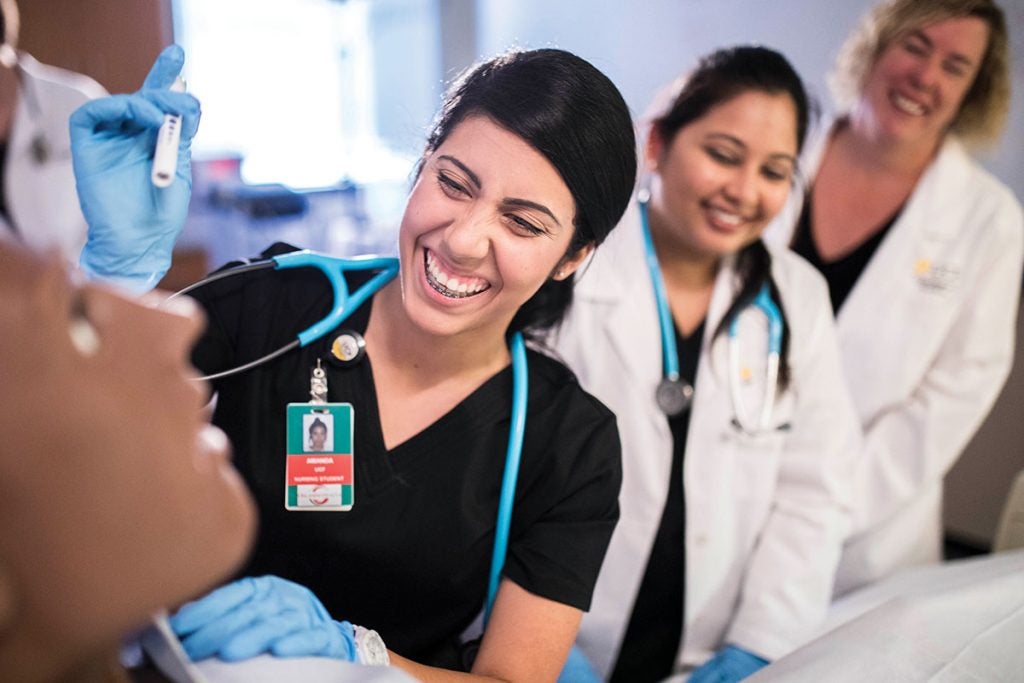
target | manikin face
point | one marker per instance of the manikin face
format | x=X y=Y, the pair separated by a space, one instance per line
x=488 y=222
x=116 y=495
x=724 y=176
x=915 y=89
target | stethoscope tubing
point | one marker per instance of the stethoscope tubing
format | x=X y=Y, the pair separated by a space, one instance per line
x=762 y=302
x=669 y=353
x=670 y=358
x=520 y=390
x=333 y=268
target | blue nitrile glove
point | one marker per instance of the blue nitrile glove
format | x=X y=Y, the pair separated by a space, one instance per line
x=729 y=664
x=256 y=615
x=132 y=224
x=578 y=668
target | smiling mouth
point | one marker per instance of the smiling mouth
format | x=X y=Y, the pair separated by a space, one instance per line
x=907 y=105
x=725 y=220
x=451 y=287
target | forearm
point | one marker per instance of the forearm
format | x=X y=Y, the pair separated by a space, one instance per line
x=431 y=674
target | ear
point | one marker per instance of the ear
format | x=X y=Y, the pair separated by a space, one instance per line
x=653 y=150
x=569 y=264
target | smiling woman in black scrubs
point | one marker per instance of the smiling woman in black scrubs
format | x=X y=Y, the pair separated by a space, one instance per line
x=507 y=203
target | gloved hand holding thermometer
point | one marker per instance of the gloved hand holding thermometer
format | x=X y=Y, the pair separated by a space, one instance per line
x=133 y=223
x=165 y=156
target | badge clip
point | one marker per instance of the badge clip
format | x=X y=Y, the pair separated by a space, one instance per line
x=318 y=385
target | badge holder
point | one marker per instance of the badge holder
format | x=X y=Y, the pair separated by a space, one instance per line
x=320 y=464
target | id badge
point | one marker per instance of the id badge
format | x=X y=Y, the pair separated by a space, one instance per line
x=320 y=469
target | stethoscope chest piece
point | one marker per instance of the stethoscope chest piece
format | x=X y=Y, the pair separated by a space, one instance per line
x=674 y=396
x=348 y=348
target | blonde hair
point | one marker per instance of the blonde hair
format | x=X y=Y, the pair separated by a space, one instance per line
x=985 y=107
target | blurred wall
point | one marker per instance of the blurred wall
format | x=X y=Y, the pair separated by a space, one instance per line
x=979 y=483
x=643 y=45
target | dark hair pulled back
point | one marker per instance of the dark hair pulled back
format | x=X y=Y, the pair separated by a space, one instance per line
x=572 y=114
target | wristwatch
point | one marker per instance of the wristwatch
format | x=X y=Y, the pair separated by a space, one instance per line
x=370 y=648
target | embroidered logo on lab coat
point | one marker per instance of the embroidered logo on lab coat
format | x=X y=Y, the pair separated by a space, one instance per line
x=936 y=276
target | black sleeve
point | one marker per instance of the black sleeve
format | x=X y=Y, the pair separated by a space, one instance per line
x=559 y=554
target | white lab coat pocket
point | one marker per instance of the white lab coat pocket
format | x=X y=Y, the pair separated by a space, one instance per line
x=755 y=459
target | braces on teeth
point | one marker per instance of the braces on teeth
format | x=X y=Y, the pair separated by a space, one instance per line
x=435 y=277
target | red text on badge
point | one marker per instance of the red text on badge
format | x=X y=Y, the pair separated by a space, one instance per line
x=319 y=469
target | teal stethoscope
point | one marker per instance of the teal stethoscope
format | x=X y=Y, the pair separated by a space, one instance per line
x=345 y=304
x=673 y=394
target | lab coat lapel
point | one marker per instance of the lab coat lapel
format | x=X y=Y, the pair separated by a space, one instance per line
x=618 y=278
x=876 y=338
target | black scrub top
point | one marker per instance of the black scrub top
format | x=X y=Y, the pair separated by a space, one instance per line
x=842 y=273
x=655 y=628
x=411 y=559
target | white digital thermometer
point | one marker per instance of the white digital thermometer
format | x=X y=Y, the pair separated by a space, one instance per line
x=165 y=156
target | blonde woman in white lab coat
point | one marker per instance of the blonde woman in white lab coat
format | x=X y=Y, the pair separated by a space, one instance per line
x=38 y=203
x=922 y=250
x=722 y=559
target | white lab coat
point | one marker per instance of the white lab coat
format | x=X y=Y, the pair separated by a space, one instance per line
x=927 y=338
x=765 y=515
x=41 y=197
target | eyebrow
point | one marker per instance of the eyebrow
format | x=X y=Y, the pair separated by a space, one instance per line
x=508 y=201
x=956 y=56
x=527 y=204
x=739 y=143
x=473 y=177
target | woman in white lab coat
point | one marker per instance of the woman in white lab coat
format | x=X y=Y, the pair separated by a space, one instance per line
x=922 y=250
x=38 y=203
x=728 y=553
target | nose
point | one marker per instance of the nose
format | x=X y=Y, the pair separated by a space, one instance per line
x=926 y=75
x=154 y=337
x=468 y=238
x=743 y=186
x=178 y=323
